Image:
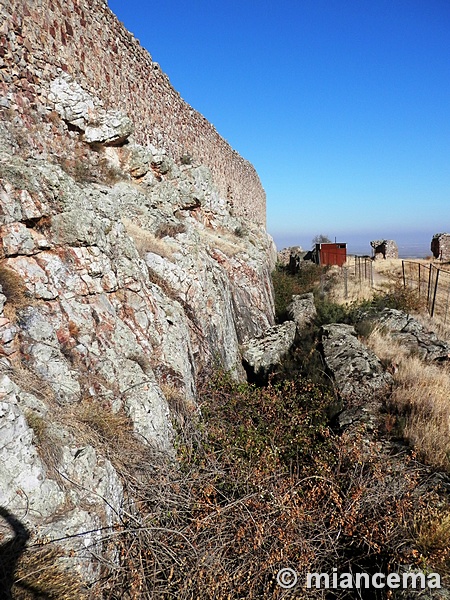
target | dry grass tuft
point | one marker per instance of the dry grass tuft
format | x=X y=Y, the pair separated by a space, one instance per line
x=31 y=382
x=47 y=446
x=176 y=400
x=170 y=229
x=184 y=412
x=146 y=241
x=37 y=424
x=223 y=240
x=111 y=428
x=40 y=574
x=432 y=532
x=440 y=326
x=112 y=435
x=14 y=288
x=420 y=399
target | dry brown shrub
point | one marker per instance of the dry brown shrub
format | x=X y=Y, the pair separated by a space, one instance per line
x=266 y=486
x=74 y=330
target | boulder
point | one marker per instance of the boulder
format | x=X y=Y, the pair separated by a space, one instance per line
x=412 y=335
x=113 y=129
x=302 y=310
x=267 y=350
x=360 y=378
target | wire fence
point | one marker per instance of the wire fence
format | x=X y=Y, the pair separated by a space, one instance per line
x=357 y=271
x=432 y=284
x=364 y=269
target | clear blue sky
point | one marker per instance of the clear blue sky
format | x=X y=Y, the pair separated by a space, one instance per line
x=342 y=106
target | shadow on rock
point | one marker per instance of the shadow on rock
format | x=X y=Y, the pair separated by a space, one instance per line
x=10 y=553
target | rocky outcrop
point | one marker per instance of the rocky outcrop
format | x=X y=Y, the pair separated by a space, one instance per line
x=440 y=246
x=57 y=485
x=302 y=310
x=412 y=335
x=384 y=249
x=123 y=274
x=86 y=113
x=266 y=351
x=359 y=376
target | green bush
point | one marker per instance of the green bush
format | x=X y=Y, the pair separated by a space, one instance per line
x=279 y=426
x=286 y=285
x=331 y=312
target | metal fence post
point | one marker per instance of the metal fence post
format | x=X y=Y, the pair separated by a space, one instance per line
x=435 y=291
x=403 y=271
x=419 y=281
x=429 y=288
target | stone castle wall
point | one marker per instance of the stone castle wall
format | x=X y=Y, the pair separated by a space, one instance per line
x=384 y=249
x=440 y=246
x=39 y=38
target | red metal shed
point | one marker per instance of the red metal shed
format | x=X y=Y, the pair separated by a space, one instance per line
x=331 y=254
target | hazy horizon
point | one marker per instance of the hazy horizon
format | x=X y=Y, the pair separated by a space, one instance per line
x=410 y=244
